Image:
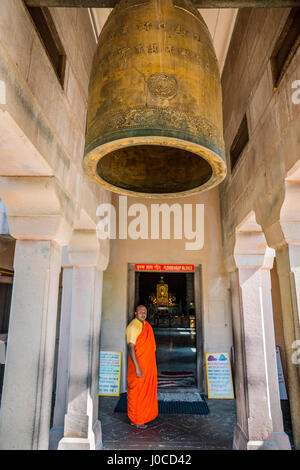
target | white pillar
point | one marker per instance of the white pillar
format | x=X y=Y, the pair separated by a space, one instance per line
x=36 y=219
x=82 y=430
x=283 y=234
x=288 y=267
x=27 y=389
x=263 y=428
x=63 y=361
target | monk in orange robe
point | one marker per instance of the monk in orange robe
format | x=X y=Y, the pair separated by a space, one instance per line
x=142 y=405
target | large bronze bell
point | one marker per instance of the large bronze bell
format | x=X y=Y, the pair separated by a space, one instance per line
x=155 y=105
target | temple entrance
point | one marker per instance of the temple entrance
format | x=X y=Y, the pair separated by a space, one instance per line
x=170 y=301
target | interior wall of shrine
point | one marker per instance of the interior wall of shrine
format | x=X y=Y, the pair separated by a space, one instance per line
x=215 y=299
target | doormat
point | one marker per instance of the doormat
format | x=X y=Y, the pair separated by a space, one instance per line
x=166 y=379
x=193 y=395
x=170 y=407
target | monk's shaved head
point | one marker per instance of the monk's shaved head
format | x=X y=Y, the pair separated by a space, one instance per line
x=141 y=313
x=139 y=307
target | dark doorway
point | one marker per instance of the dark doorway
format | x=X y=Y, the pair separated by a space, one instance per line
x=6 y=282
x=169 y=298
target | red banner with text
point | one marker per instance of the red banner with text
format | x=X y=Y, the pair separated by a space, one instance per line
x=182 y=268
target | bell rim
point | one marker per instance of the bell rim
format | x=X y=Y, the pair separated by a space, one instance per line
x=216 y=161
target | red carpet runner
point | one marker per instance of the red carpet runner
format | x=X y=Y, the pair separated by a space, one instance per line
x=175 y=379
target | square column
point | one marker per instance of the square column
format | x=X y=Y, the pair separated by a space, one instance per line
x=82 y=430
x=28 y=380
x=259 y=423
x=283 y=234
x=40 y=218
x=63 y=362
x=288 y=267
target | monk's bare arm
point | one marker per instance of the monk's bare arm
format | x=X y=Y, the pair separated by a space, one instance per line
x=139 y=372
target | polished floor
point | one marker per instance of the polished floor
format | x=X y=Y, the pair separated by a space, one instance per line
x=176 y=353
x=169 y=432
x=176 y=432
x=175 y=349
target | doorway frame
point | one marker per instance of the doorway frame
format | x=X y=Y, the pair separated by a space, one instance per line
x=200 y=363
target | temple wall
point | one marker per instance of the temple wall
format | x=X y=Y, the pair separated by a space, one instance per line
x=257 y=183
x=47 y=198
x=44 y=122
x=257 y=180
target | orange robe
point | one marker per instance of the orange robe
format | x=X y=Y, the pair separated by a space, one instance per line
x=142 y=405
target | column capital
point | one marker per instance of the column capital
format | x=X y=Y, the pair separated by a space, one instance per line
x=38 y=208
x=85 y=249
x=283 y=232
x=248 y=247
x=285 y=229
x=251 y=251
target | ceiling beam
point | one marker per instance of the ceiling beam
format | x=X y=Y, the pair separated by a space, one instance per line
x=197 y=3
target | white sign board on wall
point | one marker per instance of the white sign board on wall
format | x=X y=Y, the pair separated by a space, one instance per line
x=110 y=372
x=218 y=373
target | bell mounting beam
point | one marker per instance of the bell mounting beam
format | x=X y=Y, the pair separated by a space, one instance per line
x=197 y=3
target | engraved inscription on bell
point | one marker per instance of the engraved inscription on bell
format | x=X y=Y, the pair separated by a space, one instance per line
x=155 y=106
